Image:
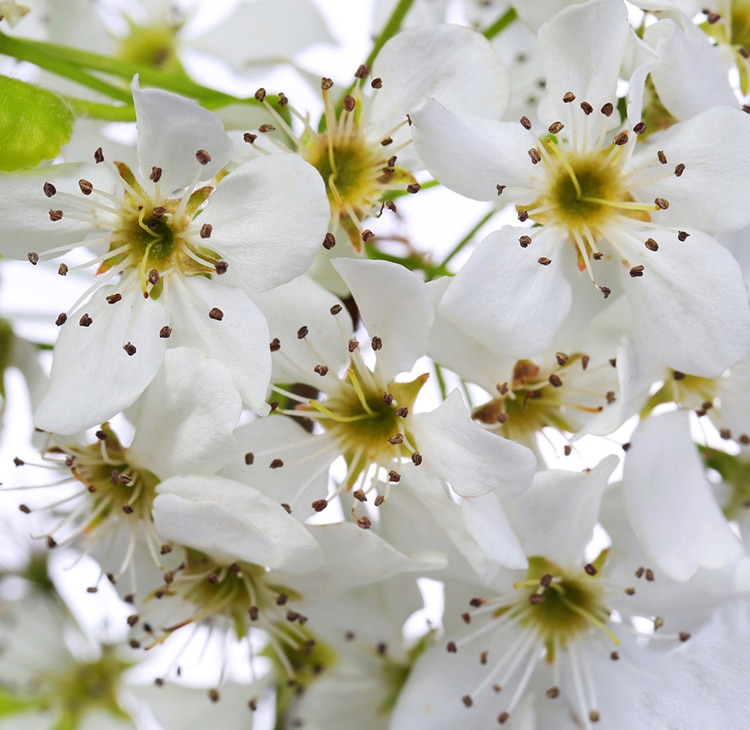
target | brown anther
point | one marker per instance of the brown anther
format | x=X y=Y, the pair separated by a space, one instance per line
x=567 y=449
x=525 y=122
x=62 y=318
x=321 y=370
x=62 y=270
x=26 y=510
x=630 y=591
x=651 y=245
x=33 y=258
x=283 y=100
x=544 y=261
x=260 y=94
x=402 y=412
x=587 y=108
x=682 y=235
x=662 y=157
x=536 y=598
x=394 y=476
x=363 y=522
x=377 y=343
x=661 y=203
x=503 y=717
x=620 y=139
x=206 y=230
x=286 y=507
x=553 y=692
x=466 y=699
x=335 y=309
x=555 y=127
x=387 y=399
x=275 y=344
x=85 y=321
x=535 y=155
x=253 y=612
x=525 y=241
x=555 y=380
x=353 y=344
x=98 y=155
x=483 y=657
x=636 y=271
x=725 y=433
x=500 y=189
x=129 y=348
x=546 y=580
x=276 y=464
x=153 y=277
x=743 y=52
x=679 y=169
x=597 y=255
x=523 y=215
x=683 y=636
x=249 y=138
x=51 y=543
x=379 y=500
x=367 y=234
x=413 y=188
x=319 y=505
x=359 y=495
x=561 y=358
x=349 y=103
x=266 y=128
x=155 y=175
x=569 y=97
x=362 y=71
x=713 y=18
x=590 y=569
x=329 y=241
x=477 y=602
x=165 y=549
x=49 y=189
x=639 y=572
x=395 y=440
x=377 y=83
x=55 y=215
x=744 y=439
x=92 y=589
x=165 y=332
x=607 y=109
x=213 y=695
x=640 y=127
x=216 y=313
x=385 y=142
x=585 y=360
x=326 y=83
x=302 y=332
x=451 y=647
x=594 y=716
x=416 y=458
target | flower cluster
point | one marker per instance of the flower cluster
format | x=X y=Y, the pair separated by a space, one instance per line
x=310 y=465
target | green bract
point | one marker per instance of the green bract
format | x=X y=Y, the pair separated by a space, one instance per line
x=34 y=124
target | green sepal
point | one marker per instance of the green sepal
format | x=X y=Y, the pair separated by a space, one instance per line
x=34 y=124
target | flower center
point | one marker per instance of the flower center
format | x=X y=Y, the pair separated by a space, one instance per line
x=84 y=687
x=151 y=45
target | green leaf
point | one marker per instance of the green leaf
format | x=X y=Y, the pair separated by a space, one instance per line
x=34 y=124
x=11 y=704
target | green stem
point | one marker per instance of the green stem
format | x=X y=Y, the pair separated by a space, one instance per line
x=464 y=241
x=389 y=30
x=97 y=110
x=500 y=24
x=440 y=380
x=69 y=62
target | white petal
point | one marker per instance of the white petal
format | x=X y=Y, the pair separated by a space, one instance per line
x=171 y=129
x=692 y=75
x=26 y=222
x=231 y=521
x=555 y=517
x=273 y=36
x=583 y=48
x=710 y=195
x=670 y=501
x=239 y=340
x=394 y=305
x=690 y=306
x=269 y=219
x=472 y=460
x=453 y=64
x=505 y=298
x=92 y=377
x=469 y=154
x=187 y=416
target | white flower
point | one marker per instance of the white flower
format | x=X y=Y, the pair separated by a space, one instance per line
x=651 y=209
x=169 y=250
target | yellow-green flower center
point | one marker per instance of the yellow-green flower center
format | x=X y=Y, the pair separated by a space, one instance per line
x=151 y=45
